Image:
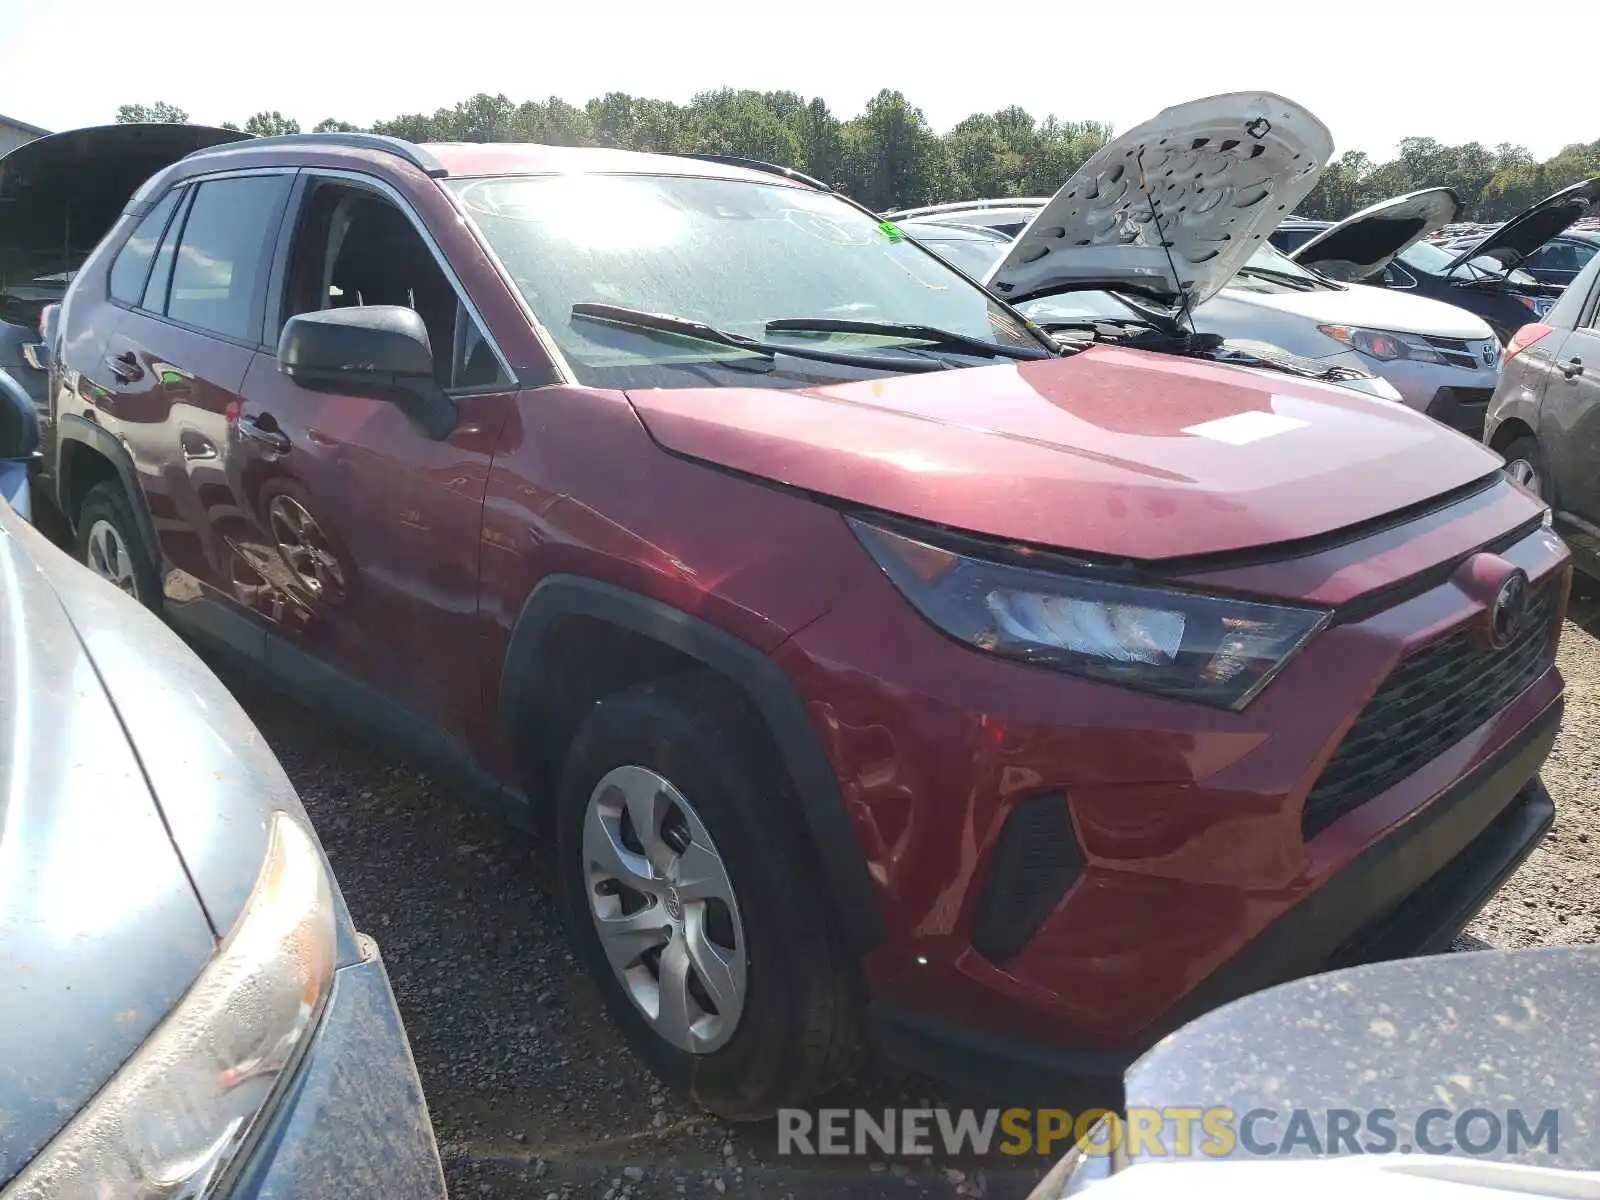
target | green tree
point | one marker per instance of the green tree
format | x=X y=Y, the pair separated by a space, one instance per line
x=329 y=125
x=817 y=131
x=159 y=113
x=271 y=124
x=891 y=157
x=741 y=123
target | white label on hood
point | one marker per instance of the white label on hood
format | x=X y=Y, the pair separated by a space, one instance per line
x=1243 y=428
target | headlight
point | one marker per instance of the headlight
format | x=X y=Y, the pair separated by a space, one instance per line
x=1382 y=345
x=174 y=1116
x=1212 y=649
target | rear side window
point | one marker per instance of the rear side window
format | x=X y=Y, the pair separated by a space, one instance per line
x=132 y=264
x=219 y=271
x=155 y=292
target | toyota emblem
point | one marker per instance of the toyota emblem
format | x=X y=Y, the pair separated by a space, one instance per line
x=1508 y=616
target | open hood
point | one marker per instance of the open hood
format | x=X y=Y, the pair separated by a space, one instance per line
x=1362 y=245
x=1533 y=227
x=1214 y=176
x=59 y=195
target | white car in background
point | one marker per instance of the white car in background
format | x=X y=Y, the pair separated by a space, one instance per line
x=1091 y=251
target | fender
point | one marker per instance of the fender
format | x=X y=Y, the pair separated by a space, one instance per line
x=73 y=428
x=764 y=685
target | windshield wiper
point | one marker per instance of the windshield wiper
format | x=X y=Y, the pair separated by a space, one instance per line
x=635 y=318
x=1287 y=280
x=922 y=333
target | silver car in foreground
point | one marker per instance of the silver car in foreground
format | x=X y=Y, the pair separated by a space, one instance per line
x=185 y=1007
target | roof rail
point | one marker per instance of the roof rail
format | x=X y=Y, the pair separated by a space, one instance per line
x=410 y=151
x=755 y=164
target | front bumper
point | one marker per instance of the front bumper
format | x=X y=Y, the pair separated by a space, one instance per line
x=1452 y=394
x=1409 y=895
x=353 y=1122
x=1463 y=409
x=1186 y=840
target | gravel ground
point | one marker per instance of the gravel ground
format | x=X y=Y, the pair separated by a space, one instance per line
x=533 y=1094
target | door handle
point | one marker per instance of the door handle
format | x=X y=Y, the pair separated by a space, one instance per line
x=264 y=431
x=125 y=367
x=1572 y=368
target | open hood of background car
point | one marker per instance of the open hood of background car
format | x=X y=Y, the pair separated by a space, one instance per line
x=1533 y=227
x=1174 y=206
x=59 y=195
x=1362 y=245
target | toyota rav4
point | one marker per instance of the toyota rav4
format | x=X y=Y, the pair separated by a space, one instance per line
x=884 y=670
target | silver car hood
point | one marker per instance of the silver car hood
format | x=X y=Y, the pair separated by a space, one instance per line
x=100 y=929
x=1362 y=245
x=126 y=772
x=1215 y=176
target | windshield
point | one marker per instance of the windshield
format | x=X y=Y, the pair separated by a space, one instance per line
x=1079 y=306
x=1270 y=270
x=731 y=254
x=1425 y=256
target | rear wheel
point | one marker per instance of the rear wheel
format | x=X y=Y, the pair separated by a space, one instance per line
x=109 y=543
x=690 y=890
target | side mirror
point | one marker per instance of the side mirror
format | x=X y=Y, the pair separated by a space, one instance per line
x=381 y=351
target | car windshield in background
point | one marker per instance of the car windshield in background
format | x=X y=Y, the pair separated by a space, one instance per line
x=1269 y=270
x=973 y=255
x=728 y=254
x=1425 y=256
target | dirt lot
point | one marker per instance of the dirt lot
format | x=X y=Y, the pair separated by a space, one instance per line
x=533 y=1095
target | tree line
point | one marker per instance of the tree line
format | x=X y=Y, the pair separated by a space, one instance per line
x=888 y=156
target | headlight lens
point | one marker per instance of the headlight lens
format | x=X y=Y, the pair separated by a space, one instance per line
x=1211 y=649
x=174 y=1116
x=1382 y=345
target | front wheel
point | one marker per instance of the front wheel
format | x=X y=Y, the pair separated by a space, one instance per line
x=690 y=888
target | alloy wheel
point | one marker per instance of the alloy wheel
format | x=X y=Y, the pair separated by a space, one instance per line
x=1520 y=470
x=108 y=557
x=664 y=908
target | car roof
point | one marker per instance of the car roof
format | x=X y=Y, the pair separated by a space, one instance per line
x=476 y=159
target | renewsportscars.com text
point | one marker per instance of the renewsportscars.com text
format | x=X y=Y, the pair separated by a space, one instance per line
x=1164 y=1132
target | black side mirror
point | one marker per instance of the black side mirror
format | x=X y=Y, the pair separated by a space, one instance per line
x=381 y=351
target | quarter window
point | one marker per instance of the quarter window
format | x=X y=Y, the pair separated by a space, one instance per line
x=218 y=271
x=132 y=264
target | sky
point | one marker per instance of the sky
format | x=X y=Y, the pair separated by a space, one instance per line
x=1372 y=71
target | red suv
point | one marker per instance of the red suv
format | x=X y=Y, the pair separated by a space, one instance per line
x=883 y=668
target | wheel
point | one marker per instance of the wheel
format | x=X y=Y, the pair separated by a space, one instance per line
x=692 y=897
x=109 y=543
x=1525 y=465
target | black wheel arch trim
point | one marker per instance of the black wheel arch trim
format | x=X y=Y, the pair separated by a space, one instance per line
x=74 y=428
x=763 y=683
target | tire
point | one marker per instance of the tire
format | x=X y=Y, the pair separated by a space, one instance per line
x=106 y=521
x=796 y=1033
x=1526 y=450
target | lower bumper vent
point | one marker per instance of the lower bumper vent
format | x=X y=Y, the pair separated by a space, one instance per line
x=1035 y=860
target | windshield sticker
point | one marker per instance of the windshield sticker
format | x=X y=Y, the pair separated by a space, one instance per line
x=890 y=232
x=1243 y=428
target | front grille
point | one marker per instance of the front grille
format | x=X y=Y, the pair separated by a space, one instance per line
x=1436 y=696
x=1459 y=353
